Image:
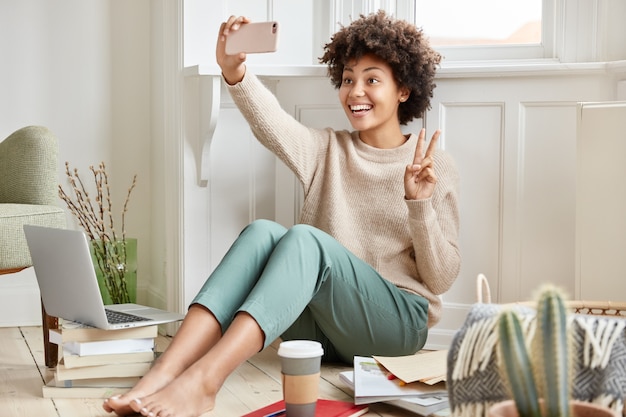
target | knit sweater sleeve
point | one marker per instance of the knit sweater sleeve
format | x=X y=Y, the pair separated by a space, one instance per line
x=434 y=227
x=298 y=146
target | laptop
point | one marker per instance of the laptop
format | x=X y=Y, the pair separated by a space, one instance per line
x=69 y=286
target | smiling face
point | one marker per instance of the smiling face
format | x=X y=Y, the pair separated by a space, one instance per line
x=370 y=96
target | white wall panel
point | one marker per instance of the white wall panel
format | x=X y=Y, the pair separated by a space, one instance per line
x=601 y=201
x=474 y=135
x=242 y=172
x=547 y=196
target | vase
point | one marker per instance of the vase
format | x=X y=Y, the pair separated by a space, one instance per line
x=579 y=409
x=115 y=264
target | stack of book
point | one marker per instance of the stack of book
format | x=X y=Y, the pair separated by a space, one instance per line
x=97 y=363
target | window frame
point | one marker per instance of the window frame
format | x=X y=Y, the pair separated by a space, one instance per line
x=332 y=11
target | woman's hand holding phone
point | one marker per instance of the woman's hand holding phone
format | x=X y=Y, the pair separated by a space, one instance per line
x=233 y=67
x=238 y=37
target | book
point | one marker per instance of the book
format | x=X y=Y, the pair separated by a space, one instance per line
x=424 y=405
x=71 y=360
x=102 y=371
x=324 y=408
x=109 y=347
x=71 y=331
x=51 y=391
x=124 y=382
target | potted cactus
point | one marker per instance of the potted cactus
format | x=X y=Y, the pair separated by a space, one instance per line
x=540 y=380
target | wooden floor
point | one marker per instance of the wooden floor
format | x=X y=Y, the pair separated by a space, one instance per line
x=255 y=384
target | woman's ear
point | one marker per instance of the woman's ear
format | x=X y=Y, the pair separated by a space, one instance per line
x=404 y=94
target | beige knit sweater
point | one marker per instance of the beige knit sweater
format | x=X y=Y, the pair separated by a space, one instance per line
x=355 y=193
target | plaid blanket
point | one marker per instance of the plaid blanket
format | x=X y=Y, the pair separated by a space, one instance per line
x=473 y=376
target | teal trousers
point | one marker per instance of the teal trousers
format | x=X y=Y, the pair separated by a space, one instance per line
x=300 y=283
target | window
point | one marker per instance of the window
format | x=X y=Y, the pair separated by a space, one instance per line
x=462 y=29
x=480 y=22
x=488 y=29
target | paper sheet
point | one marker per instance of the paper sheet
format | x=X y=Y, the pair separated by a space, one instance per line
x=427 y=367
x=372 y=384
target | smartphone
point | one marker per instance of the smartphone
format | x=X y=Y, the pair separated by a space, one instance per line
x=253 y=38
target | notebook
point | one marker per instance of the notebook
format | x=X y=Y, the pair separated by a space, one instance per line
x=69 y=287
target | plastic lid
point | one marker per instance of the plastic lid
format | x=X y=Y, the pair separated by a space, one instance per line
x=300 y=349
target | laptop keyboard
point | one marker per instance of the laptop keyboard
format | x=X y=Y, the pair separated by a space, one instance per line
x=117 y=317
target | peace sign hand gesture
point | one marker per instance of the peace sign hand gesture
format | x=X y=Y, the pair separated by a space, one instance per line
x=419 y=177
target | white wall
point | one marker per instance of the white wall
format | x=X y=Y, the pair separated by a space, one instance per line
x=83 y=70
x=57 y=72
x=203 y=19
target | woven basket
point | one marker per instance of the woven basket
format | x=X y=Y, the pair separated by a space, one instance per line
x=596 y=308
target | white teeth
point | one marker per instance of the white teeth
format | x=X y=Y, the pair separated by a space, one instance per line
x=360 y=107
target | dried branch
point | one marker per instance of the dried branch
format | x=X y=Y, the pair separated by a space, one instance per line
x=98 y=222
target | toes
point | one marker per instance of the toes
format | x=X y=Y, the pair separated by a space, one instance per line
x=150 y=410
x=107 y=403
x=135 y=404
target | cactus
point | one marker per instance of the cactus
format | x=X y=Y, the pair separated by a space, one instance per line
x=546 y=373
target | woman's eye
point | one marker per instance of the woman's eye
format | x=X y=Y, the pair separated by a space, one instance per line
x=372 y=81
x=347 y=81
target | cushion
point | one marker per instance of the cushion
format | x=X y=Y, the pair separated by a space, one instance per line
x=28 y=167
x=13 y=248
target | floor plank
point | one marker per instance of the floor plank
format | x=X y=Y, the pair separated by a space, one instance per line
x=83 y=407
x=20 y=379
x=253 y=385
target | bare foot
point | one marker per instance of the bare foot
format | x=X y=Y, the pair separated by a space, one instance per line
x=189 y=395
x=150 y=383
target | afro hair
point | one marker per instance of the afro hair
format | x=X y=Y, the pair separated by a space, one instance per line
x=399 y=43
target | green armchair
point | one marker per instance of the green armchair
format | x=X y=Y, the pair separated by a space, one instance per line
x=28 y=191
x=28 y=195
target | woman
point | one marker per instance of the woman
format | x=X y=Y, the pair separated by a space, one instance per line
x=377 y=239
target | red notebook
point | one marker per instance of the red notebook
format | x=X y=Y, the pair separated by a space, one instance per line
x=324 y=408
